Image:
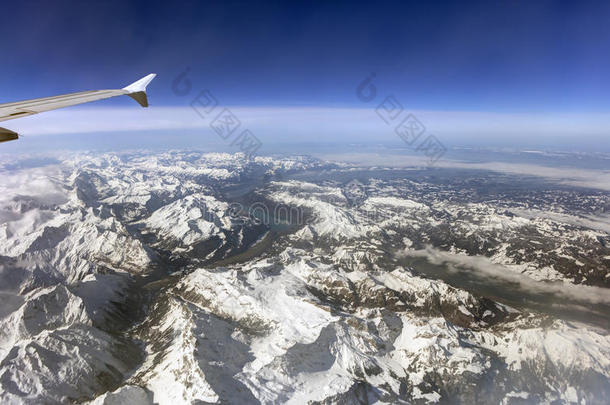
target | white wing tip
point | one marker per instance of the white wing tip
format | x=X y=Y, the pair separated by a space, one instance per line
x=140 y=85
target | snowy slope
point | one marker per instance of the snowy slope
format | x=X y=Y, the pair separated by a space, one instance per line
x=131 y=279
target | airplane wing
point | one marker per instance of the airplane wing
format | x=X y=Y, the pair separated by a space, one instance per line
x=10 y=111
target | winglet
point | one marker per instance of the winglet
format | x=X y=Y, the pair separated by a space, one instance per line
x=137 y=90
x=140 y=85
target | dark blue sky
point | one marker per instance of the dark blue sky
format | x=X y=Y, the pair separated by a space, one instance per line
x=510 y=56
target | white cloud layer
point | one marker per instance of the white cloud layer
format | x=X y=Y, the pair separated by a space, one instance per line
x=599 y=179
x=318 y=123
x=485 y=268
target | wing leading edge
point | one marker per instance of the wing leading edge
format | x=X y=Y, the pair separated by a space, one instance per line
x=9 y=111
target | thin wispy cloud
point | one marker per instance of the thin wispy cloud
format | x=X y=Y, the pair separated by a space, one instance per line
x=483 y=267
x=320 y=122
x=322 y=125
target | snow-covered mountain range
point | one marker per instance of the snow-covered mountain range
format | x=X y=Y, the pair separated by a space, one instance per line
x=182 y=277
